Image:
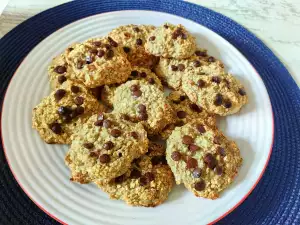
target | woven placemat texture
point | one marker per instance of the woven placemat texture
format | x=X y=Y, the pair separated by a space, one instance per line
x=276 y=198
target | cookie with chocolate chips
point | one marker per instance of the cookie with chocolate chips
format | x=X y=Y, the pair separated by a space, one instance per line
x=61 y=113
x=147 y=183
x=133 y=38
x=202 y=158
x=171 y=41
x=104 y=148
x=221 y=94
x=185 y=111
x=145 y=103
x=98 y=61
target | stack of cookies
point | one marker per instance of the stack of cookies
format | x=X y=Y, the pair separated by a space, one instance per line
x=109 y=104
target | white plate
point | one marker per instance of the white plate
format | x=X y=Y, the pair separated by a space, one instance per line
x=40 y=169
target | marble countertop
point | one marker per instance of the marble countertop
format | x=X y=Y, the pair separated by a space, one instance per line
x=276 y=22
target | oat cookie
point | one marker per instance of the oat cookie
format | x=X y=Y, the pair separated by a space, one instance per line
x=99 y=61
x=147 y=183
x=104 y=148
x=220 y=94
x=137 y=73
x=143 y=102
x=185 y=111
x=172 y=70
x=58 y=115
x=133 y=38
x=202 y=158
x=170 y=41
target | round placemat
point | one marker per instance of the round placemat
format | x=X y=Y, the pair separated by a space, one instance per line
x=275 y=200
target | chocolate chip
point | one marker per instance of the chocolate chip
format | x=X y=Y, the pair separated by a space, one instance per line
x=218 y=170
x=79 y=65
x=109 y=54
x=100 y=53
x=143 y=116
x=218 y=100
x=136 y=29
x=191 y=163
x=135 y=174
x=64 y=110
x=100 y=116
x=193 y=147
x=197 y=173
x=152 y=38
x=200 y=53
x=120 y=179
x=137 y=93
x=125 y=117
x=134 y=73
x=196 y=63
x=174 y=68
x=66 y=118
x=181 y=67
x=94 y=154
x=59 y=94
x=187 y=140
x=176 y=156
x=183 y=35
x=112 y=42
x=200 y=186
x=88 y=145
x=79 y=100
x=89 y=59
x=151 y=81
x=120 y=154
x=70 y=49
x=200 y=128
x=182 y=97
x=108 y=145
x=143 y=181
x=201 y=83
x=75 y=89
x=157 y=160
x=211 y=59
x=221 y=151
x=217 y=140
x=93 y=51
x=126 y=49
x=147 y=178
x=56 y=128
x=98 y=123
x=136 y=161
x=216 y=79
x=166 y=26
x=115 y=133
x=210 y=161
x=143 y=74
x=79 y=110
x=107 y=123
x=61 y=79
x=107 y=46
x=104 y=158
x=97 y=43
x=179 y=123
x=74 y=114
x=181 y=114
x=134 y=87
x=141 y=108
x=139 y=41
x=242 y=92
x=195 y=108
x=60 y=69
x=134 y=135
x=227 y=104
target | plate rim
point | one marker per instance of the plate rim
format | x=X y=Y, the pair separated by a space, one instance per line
x=136 y=10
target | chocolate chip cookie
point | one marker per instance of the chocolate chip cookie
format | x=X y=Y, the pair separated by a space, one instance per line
x=58 y=116
x=104 y=148
x=170 y=41
x=147 y=183
x=142 y=102
x=202 y=158
x=133 y=38
x=98 y=61
x=185 y=111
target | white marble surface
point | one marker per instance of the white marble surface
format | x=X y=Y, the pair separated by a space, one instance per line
x=276 y=22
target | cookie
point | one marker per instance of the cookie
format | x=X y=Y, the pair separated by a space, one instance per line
x=202 y=158
x=185 y=111
x=137 y=73
x=220 y=94
x=133 y=38
x=145 y=103
x=147 y=183
x=104 y=148
x=58 y=115
x=170 y=41
x=172 y=70
x=98 y=61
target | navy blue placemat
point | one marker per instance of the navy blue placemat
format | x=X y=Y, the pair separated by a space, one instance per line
x=276 y=198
